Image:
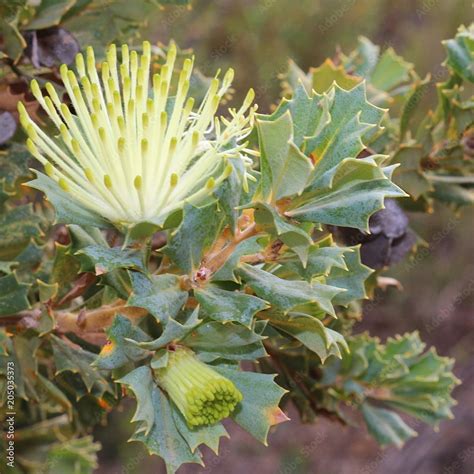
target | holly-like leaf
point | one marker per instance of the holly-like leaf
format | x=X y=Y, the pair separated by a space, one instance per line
x=325 y=75
x=246 y=247
x=461 y=53
x=352 y=120
x=104 y=260
x=140 y=382
x=196 y=233
x=118 y=351
x=17 y=227
x=284 y=168
x=173 y=331
x=288 y=295
x=391 y=70
x=13 y=295
x=207 y=435
x=49 y=13
x=164 y=439
x=386 y=426
x=296 y=238
x=321 y=260
x=161 y=295
x=68 y=211
x=348 y=194
x=214 y=340
x=225 y=306
x=352 y=280
x=72 y=358
x=311 y=332
x=259 y=409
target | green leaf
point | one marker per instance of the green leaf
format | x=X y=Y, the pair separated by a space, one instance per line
x=118 y=351
x=284 y=168
x=352 y=280
x=461 y=53
x=225 y=306
x=105 y=259
x=14 y=163
x=410 y=107
x=173 y=331
x=13 y=41
x=294 y=237
x=348 y=194
x=386 y=426
x=409 y=175
x=259 y=409
x=207 y=435
x=351 y=121
x=311 y=332
x=74 y=456
x=17 y=227
x=68 y=211
x=196 y=233
x=140 y=382
x=321 y=260
x=13 y=295
x=229 y=193
x=288 y=295
x=390 y=71
x=325 y=75
x=246 y=247
x=164 y=439
x=49 y=13
x=72 y=358
x=161 y=295
x=214 y=340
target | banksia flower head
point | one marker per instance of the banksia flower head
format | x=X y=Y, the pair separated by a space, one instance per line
x=133 y=149
x=203 y=396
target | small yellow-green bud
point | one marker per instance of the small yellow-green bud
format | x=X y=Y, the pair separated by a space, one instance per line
x=203 y=396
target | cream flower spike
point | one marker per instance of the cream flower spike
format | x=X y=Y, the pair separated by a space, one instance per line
x=131 y=152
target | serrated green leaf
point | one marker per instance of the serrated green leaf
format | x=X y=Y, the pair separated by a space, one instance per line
x=13 y=166
x=161 y=295
x=325 y=75
x=68 y=211
x=352 y=280
x=207 y=435
x=259 y=409
x=72 y=358
x=297 y=239
x=320 y=262
x=386 y=426
x=214 y=340
x=351 y=121
x=246 y=247
x=49 y=13
x=104 y=259
x=461 y=53
x=390 y=71
x=348 y=194
x=118 y=351
x=196 y=233
x=284 y=168
x=17 y=227
x=312 y=333
x=173 y=331
x=225 y=306
x=164 y=439
x=140 y=382
x=13 y=295
x=287 y=294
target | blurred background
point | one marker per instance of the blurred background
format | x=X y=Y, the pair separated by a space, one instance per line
x=257 y=38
